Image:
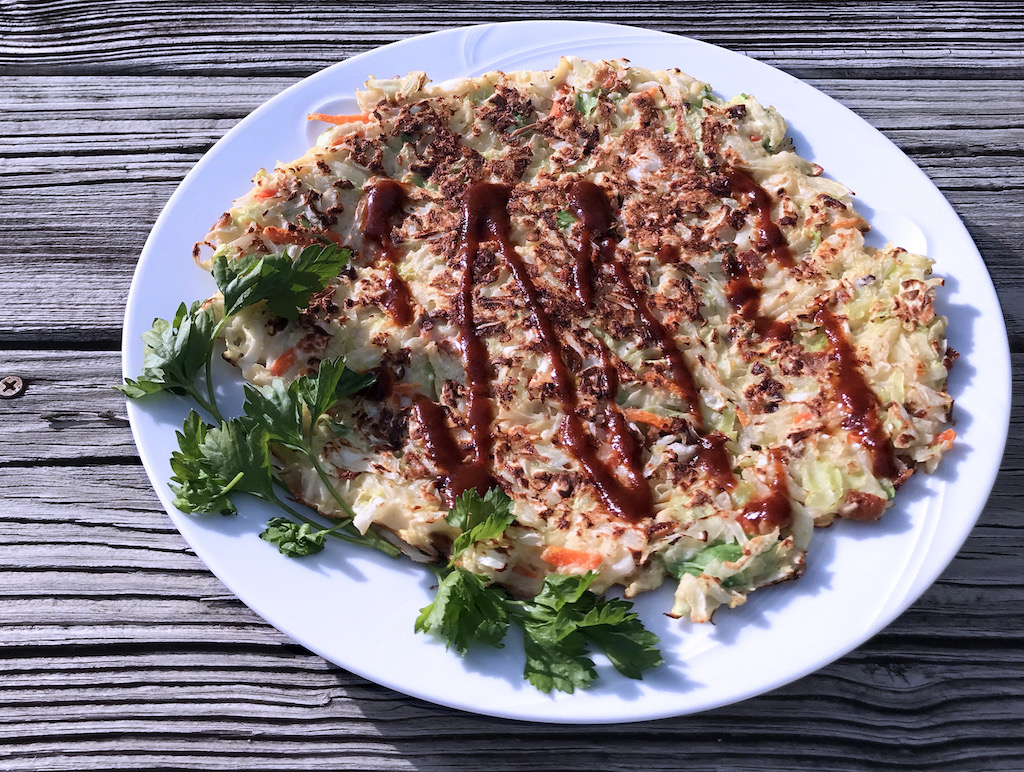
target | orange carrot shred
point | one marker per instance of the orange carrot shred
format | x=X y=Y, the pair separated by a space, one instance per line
x=337 y=120
x=563 y=557
x=301 y=236
x=284 y=363
x=646 y=417
x=282 y=236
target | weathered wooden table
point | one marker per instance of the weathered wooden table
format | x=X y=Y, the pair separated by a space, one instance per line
x=118 y=650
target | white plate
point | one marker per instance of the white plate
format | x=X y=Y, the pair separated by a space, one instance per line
x=356 y=608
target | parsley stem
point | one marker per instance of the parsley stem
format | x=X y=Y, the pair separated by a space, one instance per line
x=371 y=538
x=325 y=479
x=209 y=407
x=439 y=570
x=208 y=370
x=344 y=530
x=276 y=500
x=210 y=393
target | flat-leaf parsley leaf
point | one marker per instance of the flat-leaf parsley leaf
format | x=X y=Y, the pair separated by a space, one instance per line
x=286 y=284
x=479 y=518
x=294 y=539
x=176 y=351
x=466 y=610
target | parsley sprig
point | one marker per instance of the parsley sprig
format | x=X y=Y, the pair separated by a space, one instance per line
x=216 y=462
x=213 y=463
x=178 y=350
x=560 y=625
x=289 y=414
x=479 y=518
x=285 y=284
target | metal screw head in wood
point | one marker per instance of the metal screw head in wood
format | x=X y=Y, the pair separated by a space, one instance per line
x=11 y=386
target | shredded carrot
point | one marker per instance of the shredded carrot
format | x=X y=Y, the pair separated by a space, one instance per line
x=744 y=418
x=646 y=417
x=847 y=223
x=946 y=437
x=282 y=236
x=563 y=557
x=803 y=418
x=337 y=120
x=264 y=193
x=558 y=105
x=284 y=363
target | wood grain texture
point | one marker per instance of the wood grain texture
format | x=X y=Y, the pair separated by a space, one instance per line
x=69 y=410
x=116 y=157
x=118 y=650
x=139 y=648
x=880 y=38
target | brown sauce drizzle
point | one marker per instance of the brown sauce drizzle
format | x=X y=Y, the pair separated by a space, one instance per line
x=486 y=204
x=753 y=196
x=681 y=376
x=745 y=297
x=382 y=203
x=609 y=374
x=765 y=514
x=484 y=217
x=714 y=460
x=590 y=204
x=456 y=475
x=859 y=404
x=743 y=294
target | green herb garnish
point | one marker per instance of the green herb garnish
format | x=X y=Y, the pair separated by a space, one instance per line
x=293 y=539
x=560 y=625
x=565 y=219
x=727 y=553
x=289 y=416
x=176 y=351
x=479 y=518
x=587 y=102
x=565 y=620
x=466 y=610
x=285 y=284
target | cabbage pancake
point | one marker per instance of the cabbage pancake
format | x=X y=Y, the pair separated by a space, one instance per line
x=627 y=303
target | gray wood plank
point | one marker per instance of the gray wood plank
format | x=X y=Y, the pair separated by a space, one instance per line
x=120 y=651
x=109 y=647
x=884 y=39
x=69 y=409
x=81 y=192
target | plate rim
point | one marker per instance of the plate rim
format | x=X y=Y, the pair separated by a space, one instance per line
x=922 y=580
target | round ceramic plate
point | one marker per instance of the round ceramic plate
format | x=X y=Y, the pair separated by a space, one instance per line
x=356 y=607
